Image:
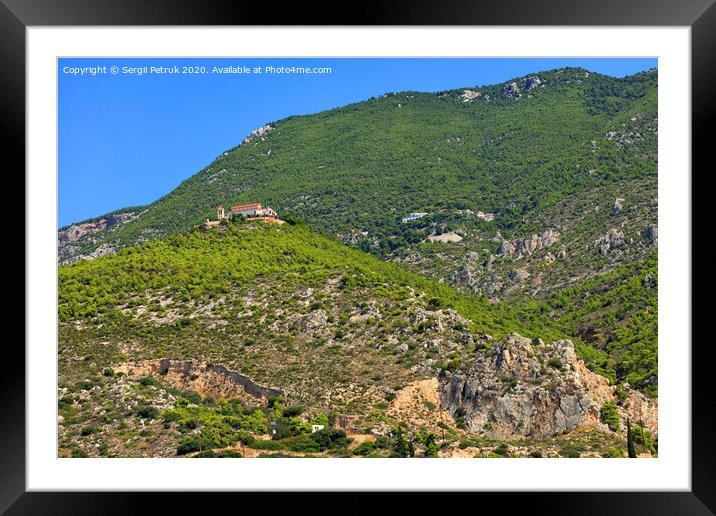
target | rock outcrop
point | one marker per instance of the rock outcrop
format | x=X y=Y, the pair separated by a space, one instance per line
x=523 y=389
x=76 y=231
x=513 y=89
x=528 y=245
x=617 y=208
x=469 y=95
x=612 y=240
x=651 y=233
x=261 y=132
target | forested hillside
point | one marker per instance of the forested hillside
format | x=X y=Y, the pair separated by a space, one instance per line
x=535 y=207
x=332 y=330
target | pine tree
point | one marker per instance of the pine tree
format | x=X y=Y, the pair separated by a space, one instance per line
x=631 y=450
x=400 y=447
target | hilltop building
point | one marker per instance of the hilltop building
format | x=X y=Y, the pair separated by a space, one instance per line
x=254 y=211
x=245 y=210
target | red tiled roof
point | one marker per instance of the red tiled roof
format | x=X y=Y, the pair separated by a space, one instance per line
x=245 y=206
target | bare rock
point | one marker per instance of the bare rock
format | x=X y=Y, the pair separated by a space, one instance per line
x=528 y=245
x=261 y=132
x=617 y=208
x=469 y=95
x=519 y=275
x=511 y=89
x=523 y=388
x=532 y=82
x=401 y=349
x=651 y=233
x=612 y=240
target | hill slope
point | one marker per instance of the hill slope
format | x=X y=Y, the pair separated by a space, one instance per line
x=193 y=342
x=564 y=160
x=519 y=150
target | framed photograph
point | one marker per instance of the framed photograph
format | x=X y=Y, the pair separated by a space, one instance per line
x=380 y=254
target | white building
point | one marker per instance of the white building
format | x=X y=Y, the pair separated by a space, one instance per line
x=246 y=210
x=413 y=216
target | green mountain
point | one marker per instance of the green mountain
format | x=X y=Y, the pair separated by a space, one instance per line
x=364 y=166
x=537 y=203
x=152 y=336
x=565 y=160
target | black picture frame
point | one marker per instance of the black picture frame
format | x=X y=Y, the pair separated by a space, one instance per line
x=17 y=15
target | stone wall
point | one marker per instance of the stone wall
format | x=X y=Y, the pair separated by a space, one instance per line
x=215 y=380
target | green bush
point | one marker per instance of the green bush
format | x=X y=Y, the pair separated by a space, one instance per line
x=148 y=380
x=147 y=412
x=88 y=430
x=610 y=415
x=293 y=411
x=304 y=445
x=329 y=437
x=502 y=450
x=266 y=445
x=192 y=444
x=364 y=448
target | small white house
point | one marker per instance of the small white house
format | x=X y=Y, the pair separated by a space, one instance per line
x=413 y=216
x=316 y=428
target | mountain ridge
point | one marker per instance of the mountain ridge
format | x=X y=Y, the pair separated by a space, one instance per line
x=563 y=161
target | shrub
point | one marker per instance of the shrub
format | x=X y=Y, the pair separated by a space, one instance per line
x=400 y=446
x=610 y=416
x=88 y=430
x=570 y=450
x=304 y=445
x=364 y=448
x=246 y=438
x=502 y=450
x=147 y=412
x=613 y=453
x=191 y=444
x=148 y=380
x=429 y=405
x=171 y=416
x=293 y=411
x=434 y=304
x=431 y=450
x=266 y=445
x=329 y=438
x=382 y=442
x=555 y=362
x=460 y=417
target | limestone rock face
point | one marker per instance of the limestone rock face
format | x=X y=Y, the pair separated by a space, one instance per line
x=524 y=389
x=528 y=245
x=612 y=240
x=469 y=95
x=519 y=275
x=617 y=208
x=532 y=82
x=261 y=132
x=652 y=233
x=511 y=89
x=464 y=276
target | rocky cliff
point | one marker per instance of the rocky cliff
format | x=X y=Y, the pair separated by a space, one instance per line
x=521 y=388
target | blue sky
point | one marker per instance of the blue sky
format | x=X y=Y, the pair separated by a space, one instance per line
x=126 y=140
